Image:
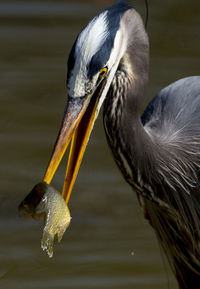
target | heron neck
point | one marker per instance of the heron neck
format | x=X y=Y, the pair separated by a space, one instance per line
x=141 y=145
x=135 y=141
x=129 y=142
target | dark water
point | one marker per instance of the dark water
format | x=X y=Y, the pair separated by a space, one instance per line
x=108 y=244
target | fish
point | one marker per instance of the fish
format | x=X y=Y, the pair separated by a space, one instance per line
x=45 y=203
x=27 y=208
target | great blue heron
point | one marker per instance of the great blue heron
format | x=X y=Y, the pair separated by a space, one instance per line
x=158 y=152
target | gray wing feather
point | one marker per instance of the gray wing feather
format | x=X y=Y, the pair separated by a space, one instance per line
x=177 y=107
x=172 y=119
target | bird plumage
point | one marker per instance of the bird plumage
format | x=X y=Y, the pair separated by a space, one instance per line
x=159 y=152
x=172 y=120
x=159 y=155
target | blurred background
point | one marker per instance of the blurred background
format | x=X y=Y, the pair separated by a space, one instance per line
x=109 y=244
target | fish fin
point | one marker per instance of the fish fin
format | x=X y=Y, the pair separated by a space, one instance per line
x=61 y=229
x=47 y=243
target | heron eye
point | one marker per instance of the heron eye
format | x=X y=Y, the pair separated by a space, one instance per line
x=103 y=72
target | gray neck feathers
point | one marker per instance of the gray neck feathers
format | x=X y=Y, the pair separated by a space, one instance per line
x=123 y=102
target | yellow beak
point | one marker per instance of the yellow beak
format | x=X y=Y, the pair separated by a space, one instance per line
x=77 y=124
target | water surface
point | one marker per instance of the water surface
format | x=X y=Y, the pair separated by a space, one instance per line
x=108 y=244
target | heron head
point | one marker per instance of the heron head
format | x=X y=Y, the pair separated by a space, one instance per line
x=96 y=52
x=92 y=64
